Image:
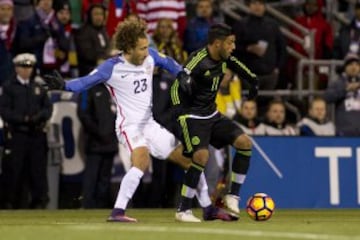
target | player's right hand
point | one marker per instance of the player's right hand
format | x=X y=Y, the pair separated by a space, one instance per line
x=185 y=82
x=54 y=81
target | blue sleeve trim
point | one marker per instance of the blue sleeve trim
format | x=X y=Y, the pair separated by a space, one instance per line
x=165 y=62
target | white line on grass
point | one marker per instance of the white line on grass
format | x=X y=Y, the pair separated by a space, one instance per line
x=223 y=232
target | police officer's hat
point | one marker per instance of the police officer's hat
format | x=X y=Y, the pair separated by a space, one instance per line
x=24 y=60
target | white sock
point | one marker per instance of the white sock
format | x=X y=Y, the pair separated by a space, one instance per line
x=202 y=192
x=128 y=186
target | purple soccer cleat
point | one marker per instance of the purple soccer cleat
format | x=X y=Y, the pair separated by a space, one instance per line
x=120 y=218
x=118 y=215
x=213 y=213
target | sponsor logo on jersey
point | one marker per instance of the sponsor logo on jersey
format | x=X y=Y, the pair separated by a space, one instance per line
x=195 y=140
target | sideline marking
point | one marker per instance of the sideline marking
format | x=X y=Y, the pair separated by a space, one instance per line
x=200 y=230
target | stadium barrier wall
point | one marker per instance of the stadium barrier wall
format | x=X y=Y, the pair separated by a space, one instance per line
x=304 y=172
x=298 y=172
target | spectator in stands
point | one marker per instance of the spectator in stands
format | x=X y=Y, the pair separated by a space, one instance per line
x=117 y=11
x=197 y=28
x=313 y=19
x=248 y=120
x=97 y=114
x=25 y=108
x=345 y=93
x=167 y=40
x=316 y=123
x=92 y=41
x=7 y=34
x=23 y=9
x=41 y=35
x=348 y=39
x=275 y=122
x=153 y=10
x=67 y=60
x=260 y=44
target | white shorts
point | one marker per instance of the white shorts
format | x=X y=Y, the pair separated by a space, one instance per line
x=157 y=139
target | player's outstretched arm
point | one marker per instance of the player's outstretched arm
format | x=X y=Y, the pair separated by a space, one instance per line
x=56 y=82
x=101 y=74
x=245 y=75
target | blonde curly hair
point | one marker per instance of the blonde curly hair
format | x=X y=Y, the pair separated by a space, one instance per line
x=128 y=33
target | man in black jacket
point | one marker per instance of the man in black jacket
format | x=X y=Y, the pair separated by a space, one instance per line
x=92 y=41
x=97 y=114
x=260 y=44
x=25 y=108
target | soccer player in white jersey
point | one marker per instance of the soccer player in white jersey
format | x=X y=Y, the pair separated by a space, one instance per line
x=128 y=77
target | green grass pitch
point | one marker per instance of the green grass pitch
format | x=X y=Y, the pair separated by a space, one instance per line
x=155 y=224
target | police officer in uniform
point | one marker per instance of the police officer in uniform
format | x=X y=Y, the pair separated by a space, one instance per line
x=25 y=108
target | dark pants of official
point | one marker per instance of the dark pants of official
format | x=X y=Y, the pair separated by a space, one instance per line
x=96 y=182
x=25 y=168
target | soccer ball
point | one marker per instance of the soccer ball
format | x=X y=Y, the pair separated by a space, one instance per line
x=260 y=207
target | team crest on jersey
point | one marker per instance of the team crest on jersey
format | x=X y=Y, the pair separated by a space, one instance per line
x=195 y=140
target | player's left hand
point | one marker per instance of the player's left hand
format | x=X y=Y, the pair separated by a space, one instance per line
x=54 y=81
x=185 y=82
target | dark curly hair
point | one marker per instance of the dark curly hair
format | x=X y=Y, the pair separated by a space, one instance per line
x=128 y=33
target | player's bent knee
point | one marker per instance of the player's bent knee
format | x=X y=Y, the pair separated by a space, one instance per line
x=201 y=157
x=142 y=164
x=140 y=158
x=243 y=142
x=177 y=157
